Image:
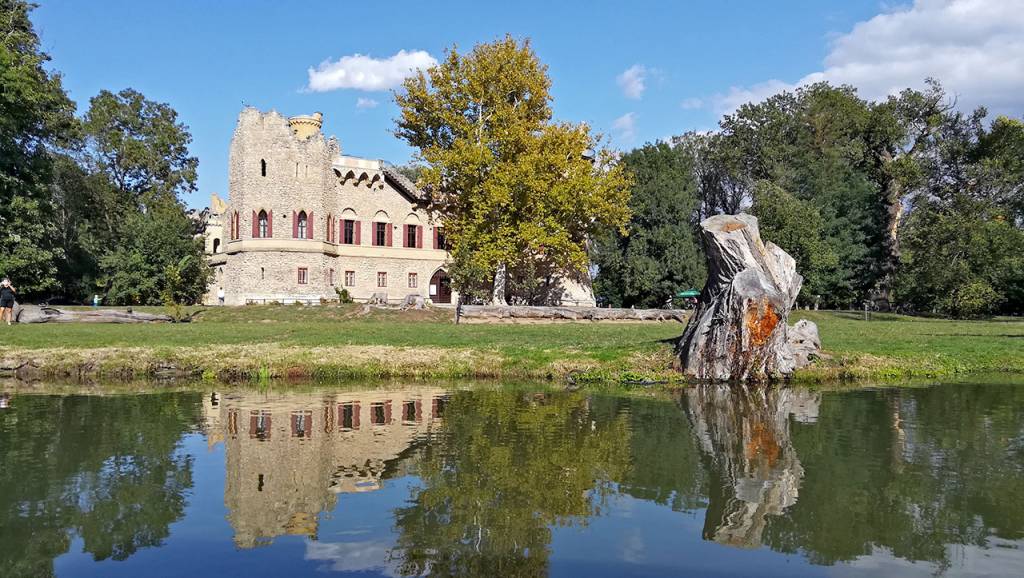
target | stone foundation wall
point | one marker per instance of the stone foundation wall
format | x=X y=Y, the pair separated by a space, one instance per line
x=273 y=276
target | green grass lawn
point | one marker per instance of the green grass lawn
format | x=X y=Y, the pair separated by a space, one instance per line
x=894 y=346
x=344 y=341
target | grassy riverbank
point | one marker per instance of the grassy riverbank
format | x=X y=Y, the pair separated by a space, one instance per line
x=347 y=342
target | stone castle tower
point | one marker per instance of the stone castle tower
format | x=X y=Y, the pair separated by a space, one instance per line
x=302 y=220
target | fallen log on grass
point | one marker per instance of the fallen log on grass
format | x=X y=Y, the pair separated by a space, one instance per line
x=46 y=314
x=738 y=331
x=512 y=312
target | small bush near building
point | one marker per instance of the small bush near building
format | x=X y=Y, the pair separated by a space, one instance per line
x=343 y=296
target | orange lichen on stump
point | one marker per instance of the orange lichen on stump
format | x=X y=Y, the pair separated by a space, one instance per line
x=760 y=319
x=730 y=227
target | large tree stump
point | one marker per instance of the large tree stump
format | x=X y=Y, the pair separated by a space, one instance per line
x=738 y=331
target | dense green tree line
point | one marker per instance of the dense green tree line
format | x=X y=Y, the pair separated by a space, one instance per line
x=906 y=202
x=90 y=204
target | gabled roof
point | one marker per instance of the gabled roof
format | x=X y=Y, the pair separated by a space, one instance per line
x=403 y=184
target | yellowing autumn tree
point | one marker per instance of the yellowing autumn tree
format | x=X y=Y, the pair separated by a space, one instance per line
x=519 y=194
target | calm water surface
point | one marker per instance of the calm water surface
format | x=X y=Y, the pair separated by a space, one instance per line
x=433 y=481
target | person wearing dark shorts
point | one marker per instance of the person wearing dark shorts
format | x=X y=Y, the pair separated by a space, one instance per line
x=7 y=293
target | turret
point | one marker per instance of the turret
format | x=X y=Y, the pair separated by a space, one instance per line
x=305 y=126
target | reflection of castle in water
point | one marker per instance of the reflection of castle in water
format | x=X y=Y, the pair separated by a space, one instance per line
x=744 y=435
x=287 y=456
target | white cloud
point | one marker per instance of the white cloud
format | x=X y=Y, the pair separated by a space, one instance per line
x=632 y=81
x=366 y=103
x=625 y=127
x=363 y=72
x=974 y=47
x=368 y=556
x=738 y=95
x=691 y=103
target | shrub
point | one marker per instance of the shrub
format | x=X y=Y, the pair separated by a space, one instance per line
x=343 y=296
x=972 y=299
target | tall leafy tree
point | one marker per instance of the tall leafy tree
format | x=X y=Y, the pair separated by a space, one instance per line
x=659 y=256
x=964 y=248
x=809 y=143
x=141 y=150
x=36 y=117
x=901 y=130
x=520 y=195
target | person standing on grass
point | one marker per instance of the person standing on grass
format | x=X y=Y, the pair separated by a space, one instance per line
x=95 y=300
x=220 y=296
x=7 y=292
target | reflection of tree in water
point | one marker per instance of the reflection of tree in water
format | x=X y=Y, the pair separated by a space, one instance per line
x=913 y=471
x=105 y=469
x=754 y=470
x=505 y=468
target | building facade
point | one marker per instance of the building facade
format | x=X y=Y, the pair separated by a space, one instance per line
x=303 y=221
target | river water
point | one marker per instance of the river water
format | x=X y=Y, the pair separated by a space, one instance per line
x=514 y=481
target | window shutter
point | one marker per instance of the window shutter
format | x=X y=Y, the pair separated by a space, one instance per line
x=435 y=237
x=270 y=223
x=356 y=236
x=309 y=226
x=255 y=231
x=388 y=229
x=419 y=236
x=295 y=225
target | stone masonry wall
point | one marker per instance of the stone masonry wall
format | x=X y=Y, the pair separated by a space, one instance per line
x=300 y=176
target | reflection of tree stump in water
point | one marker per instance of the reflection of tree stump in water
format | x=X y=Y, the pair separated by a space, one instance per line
x=753 y=468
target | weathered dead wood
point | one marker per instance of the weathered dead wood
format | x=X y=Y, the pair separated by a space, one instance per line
x=512 y=312
x=738 y=331
x=46 y=314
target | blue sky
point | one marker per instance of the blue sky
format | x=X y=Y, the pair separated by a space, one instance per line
x=637 y=71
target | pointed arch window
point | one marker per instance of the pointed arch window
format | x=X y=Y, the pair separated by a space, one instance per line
x=301 y=224
x=263 y=225
x=263 y=167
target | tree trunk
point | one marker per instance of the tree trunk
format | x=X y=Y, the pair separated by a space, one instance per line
x=892 y=198
x=498 y=293
x=738 y=330
x=44 y=314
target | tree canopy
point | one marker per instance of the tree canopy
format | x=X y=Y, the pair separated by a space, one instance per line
x=659 y=254
x=906 y=202
x=520 y=194
x=89 y=205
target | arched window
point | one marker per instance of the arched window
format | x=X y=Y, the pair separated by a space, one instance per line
x=263 y=167
x=302 y=225
x=262 y=225
x=216 y=245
